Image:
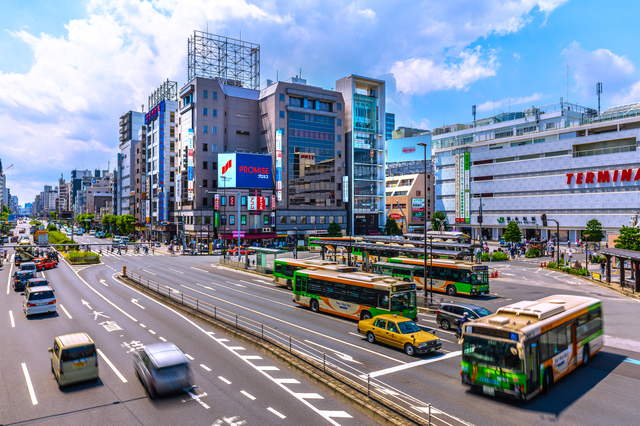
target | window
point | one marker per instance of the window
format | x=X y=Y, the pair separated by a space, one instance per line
x=205 y=147
x=281 y=114
x=312 y=219
x=214 y=130
x=223 y=200
x=339 y=155
x=322 y=219
x=214 y=95
x=205 y=94
x=204 y=183
x=281 y=97
x=214 y=148
x=172 y=117
x=265 y=220
x=339 y=138
x=338 y=122
x=214 y=112
x=223 y=220
x=205 y=165
x=205 y=111
x=232 y=219
x=264 y=132
x=294 y=220
x=205 y=201
x=205 y=129
x=283 y=220
x=339 y=106
x=243 y=220
x=303 y=220
x=243 y=201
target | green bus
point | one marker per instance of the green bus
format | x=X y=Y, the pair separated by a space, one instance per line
x=283 y=269
x=449 y=276
x=356 y=295
x=524 y=348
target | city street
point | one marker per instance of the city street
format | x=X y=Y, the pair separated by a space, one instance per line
x=593 y=393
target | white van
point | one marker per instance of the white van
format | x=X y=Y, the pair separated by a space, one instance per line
x=74 y=359
x=117 y=240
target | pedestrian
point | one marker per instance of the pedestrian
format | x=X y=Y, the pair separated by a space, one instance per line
x=569 y=244
x=602 y=266
x=570 y=258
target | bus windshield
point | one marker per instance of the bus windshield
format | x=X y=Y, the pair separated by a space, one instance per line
x=493 y=353
x=402 y=301
x=478 y=278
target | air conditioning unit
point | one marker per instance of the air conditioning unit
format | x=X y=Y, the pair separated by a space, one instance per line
x=266 y=229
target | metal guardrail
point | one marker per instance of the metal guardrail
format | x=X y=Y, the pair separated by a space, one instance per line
x=392 y=398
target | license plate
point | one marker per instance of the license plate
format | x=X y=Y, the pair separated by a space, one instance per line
x=489 y=390
x=78 y=364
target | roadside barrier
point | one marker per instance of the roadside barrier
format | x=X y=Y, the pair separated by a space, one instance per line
x=394 y=399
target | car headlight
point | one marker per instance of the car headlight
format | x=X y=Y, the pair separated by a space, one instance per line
x=422 y=345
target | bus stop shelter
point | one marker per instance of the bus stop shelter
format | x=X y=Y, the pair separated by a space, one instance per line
x=261 y=257
x=623 y=255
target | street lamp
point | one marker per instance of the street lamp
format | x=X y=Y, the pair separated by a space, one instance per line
x=424 y=218
x=224 y=214
x=295 y=243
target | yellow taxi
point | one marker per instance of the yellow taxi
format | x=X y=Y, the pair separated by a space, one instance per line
x=400 y=332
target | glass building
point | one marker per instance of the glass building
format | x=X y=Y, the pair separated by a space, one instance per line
x=389 y=125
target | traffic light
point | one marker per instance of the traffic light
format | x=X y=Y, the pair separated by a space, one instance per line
x=544 y=219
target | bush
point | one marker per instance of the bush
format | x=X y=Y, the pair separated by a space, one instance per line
x=498 y=256
x=51 y=227
x=79 y=257
x=57 y=237
x=598 y=259
x=108 y=235
x=583 y=272
x=532 y=253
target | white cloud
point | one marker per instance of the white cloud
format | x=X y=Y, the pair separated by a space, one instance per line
x=502 y=103
x=627 y=96
x=369 y=14
x=516 y=57
x=587 y=68
x=419 y=75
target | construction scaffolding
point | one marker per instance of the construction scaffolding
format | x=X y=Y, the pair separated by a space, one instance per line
x=233 y=62
x=168 y=91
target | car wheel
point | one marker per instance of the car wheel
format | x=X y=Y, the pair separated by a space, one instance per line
x=451 y=290
x=314 y=305
x=445 y=324
x=585 y=356
x=409 y=349
x=289 y=285
x=370 y=338
x=366 y=315
x=153 y=394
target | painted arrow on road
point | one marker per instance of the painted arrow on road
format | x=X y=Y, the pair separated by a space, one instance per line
x=135 y=302
x=104 y=283
x=85 y=303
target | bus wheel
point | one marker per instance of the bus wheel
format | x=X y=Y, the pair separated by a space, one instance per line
x=451 y=290
x=585 y=356
x=409 y=349
x=547 y=381
x=366 y=315
x=406 y=280
x=289 y=285
x=314 y=305
x=370 y=338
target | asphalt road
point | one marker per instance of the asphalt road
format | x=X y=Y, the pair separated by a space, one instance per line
x=236 y=383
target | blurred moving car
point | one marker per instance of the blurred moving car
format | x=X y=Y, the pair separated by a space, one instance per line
x=162 y=368
x=74 y=359
x=448 y=312
x=43 y=263
x=400 y=332
x=39 y=300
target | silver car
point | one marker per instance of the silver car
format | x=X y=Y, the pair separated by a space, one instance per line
x=162 y=368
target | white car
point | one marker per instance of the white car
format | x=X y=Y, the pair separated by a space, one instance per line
x=92 y=232
x=39 y=300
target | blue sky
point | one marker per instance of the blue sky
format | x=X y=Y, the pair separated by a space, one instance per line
x=68 y=70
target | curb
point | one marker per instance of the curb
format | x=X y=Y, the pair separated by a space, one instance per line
x=601 y=284
x=366 y=405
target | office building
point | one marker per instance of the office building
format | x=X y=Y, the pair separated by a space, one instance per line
x=123 y=197
x=407 y=202
x=389 y=125
x=364 y=100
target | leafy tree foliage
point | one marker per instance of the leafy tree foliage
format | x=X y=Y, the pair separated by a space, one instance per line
x=391 y=227
x=438 y=218
x=334 y=230
x=512 y=234
x=629 y=238
x=593 y=231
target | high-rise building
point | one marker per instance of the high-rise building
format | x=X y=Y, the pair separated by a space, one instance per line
x=303 y=127
x=123 y=198
x=364 y=100
x=389 y=125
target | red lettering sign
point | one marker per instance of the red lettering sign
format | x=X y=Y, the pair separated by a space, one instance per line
x=604 y=176
x=625 y=175
x=590 y=176
x=579 y=178
x=569 y=176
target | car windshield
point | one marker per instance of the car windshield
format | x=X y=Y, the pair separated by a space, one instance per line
x=493 y=353
x=482 y=312
x=402 y=301
x=41 y=295
x=408 y=327
x=79 y=352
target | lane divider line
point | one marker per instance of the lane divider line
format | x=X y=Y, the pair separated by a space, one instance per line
x=9 y=280
x=205 y=367
x=175 y=270
x=224 y=380
x=149 y=272
x=113 y=367
x=277 y=413
x=189 y=357
x=27 y=378
x=412 y=364
x=13 y=324
x=66 y=312
x=162 y=338
x=248 y=395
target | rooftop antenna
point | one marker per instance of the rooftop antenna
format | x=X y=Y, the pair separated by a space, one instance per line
x=567 y=86
x=300 y=72
x=598 y=92
x=142 y=106
x=473 y=111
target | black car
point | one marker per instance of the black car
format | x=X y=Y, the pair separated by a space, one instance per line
x=448 y=312
x=20 y=279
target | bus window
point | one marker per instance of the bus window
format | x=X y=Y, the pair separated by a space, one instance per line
x=367 y=296
x=280 y=268
x=557 y=341
x=401 y=272
x=419 y=272
x=383 y=301
x=298 y=284
x=340 y=292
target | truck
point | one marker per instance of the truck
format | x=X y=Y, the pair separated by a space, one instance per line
x=41 y=237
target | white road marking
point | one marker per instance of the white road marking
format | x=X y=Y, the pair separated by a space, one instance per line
x=287 y=381
x=224 y=380
x=142 y=325
x=277 y=413
x=525 y=278
x=308 y=395
x=412 y=364
x=238 y=285
x=32 y=392
x=103 y=282
x=248 y=395
x=66 y=312
x=198 y=269
x=189 y=357
x=175 y=270
x=149 y=272
x=205 y=367
x=339 y=354
x=113 y=367
x=135 y=302
x=251 y=357
x=341 y=414
x=197 y=398
x=9 y=280
x=162 y=338
x=13 y=324
x=267 y=368
x=99 y=294
x=152 y=332
x=85 y=303
x=537 y=271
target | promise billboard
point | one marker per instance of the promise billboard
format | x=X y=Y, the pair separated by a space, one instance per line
x=241 y=170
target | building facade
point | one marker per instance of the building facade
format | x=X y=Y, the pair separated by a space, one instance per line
x=389 y=125
x=364 y=100
x=407 y=202
x=123 y=198
x=562 y=160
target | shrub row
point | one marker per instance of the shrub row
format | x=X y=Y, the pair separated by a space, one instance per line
x=498 y=256
x=583 y=272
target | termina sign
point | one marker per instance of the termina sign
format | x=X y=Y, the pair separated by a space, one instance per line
x=240 y=170
x=153 y=113
x=606 y=176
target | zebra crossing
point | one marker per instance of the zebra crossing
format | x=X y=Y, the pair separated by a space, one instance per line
x=129 y=253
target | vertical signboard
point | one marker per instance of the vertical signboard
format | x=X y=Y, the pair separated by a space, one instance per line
x=190 y=137
x=216 y=202
x=457 y=188
x=279 y=133
x=345 y=189
x=418 y=212
x=462 y=193
x=467 y=201
x=161 y=217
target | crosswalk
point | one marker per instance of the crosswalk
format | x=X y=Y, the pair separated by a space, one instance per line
x=129 y=253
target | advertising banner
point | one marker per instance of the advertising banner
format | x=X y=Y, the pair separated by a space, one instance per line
x=189 y=141
x=462 y=197
x=273 y=202
x=147 y=210
x=241 y=170
x=467 y=180
x=256 y=203
x=279 y=133
x=345 y=189
x=216 y=202
x=161 y=165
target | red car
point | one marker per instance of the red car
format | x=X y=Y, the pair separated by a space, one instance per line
x=243 y=250
x=44 y=263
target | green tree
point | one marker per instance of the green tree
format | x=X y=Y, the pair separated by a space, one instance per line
x=438 y=218
x=124 y=223
x=334 y=230
x=593 y=231
x=629 y=239
x=391 y=227
x=512 y=234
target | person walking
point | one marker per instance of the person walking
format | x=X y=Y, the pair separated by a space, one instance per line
x=569 y=244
